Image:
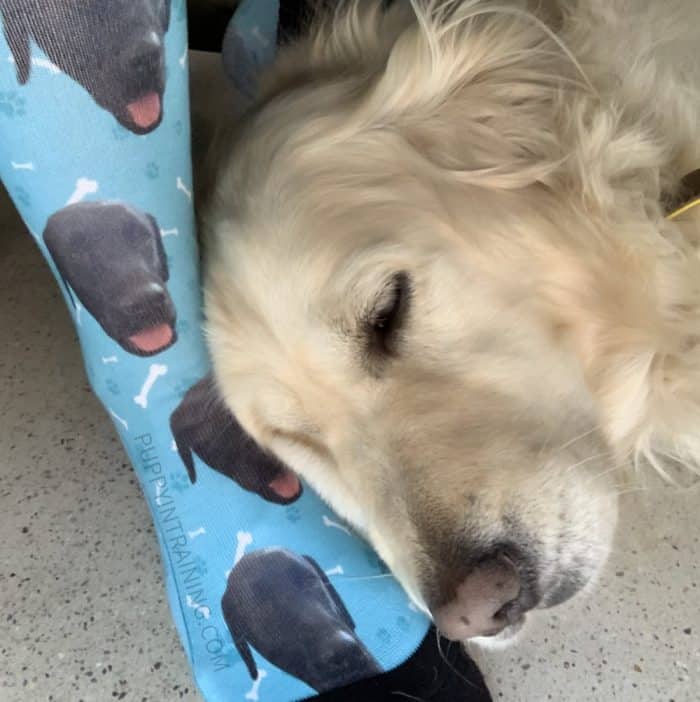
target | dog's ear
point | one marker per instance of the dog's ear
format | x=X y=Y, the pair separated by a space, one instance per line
x=238 y=634
x=164 y=14
x=339 y=604
x=182 y=426
x=160 y=249
x=17 y=34
x=632 y=316
x=185 y=452
x=53 y=240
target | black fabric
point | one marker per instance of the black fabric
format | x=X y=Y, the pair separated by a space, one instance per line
x=431 y=674
x=206 y=24
x=293 y=17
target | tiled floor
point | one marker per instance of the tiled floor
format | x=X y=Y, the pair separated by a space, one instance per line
x=83 y=610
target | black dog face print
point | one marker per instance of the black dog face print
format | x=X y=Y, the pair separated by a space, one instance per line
x=111 y=256
x=203 y=425
x=113 y=48
x=283 y=605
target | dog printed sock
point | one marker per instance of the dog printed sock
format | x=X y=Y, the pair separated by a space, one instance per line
x=275 y=599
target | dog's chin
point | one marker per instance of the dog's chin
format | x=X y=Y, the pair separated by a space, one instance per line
x=504 y=639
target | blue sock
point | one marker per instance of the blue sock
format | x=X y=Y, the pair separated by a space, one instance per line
x=273 y=596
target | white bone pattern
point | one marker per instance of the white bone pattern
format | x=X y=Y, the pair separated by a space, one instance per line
x=154 y=372
x=197 y=532
x=183 y=187
x=334 y=525
x=243 y=539
x=252 y=694
x=83 y=187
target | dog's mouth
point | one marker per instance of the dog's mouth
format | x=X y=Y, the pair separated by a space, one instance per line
x=145 y=111
x=152 y=339
x=286 y=485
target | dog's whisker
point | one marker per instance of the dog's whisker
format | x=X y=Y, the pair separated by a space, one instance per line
x=583 y=461
x=449 y=665
x=399 y=693
x=576 y=439
x=634 y=489
x=611 y=469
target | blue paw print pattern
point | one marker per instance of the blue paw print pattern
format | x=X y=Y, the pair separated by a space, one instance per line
x=178 y=482
x=12 y=104
x=383 y=635
x=293 y=514
x=57 y=145
x=402 y=623
x=200 y=565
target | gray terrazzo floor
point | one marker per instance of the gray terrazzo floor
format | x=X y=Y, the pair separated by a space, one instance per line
x=82 y=600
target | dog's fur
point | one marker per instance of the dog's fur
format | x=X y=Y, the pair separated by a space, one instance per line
x=441 y=285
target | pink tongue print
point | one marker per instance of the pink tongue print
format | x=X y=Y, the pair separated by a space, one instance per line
x=153 y=339
x=286 y=485
x=145 y=111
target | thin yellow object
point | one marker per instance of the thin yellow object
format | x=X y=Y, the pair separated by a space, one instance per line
x=684 y=208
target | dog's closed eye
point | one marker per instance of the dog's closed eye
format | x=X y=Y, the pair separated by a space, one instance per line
x=387 y=316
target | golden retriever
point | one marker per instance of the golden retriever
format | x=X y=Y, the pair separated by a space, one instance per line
x=441 y=285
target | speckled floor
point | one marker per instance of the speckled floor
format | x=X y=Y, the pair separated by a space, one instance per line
x=82 y=601
x=83 y=614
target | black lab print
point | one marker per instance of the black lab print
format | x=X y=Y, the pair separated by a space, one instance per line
x=283 y=605
x=111 y=256
x=204 y=426
x=113 y=48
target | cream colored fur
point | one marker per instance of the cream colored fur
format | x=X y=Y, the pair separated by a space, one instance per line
x=512 y=159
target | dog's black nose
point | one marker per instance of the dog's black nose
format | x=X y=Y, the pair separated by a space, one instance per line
x=144 y=302
x=143 y=58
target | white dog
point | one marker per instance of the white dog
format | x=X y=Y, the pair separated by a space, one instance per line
x=442 y=287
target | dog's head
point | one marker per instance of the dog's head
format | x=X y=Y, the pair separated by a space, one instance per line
x=113 y=49
x=201 y=424
x=300 y=624
x=441 y=289
x=111 y=256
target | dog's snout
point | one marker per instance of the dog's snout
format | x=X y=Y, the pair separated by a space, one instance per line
x=492 y=596
x=144 y=57
x=145 y=300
